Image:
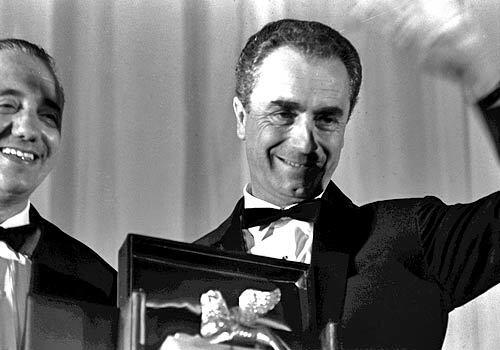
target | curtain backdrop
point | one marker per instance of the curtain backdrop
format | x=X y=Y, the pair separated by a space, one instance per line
x=149 y=143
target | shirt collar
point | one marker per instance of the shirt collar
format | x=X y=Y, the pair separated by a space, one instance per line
x=250 y=201
x=20 y=219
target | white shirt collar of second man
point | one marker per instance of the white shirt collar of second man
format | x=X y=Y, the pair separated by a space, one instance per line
x=20 y=219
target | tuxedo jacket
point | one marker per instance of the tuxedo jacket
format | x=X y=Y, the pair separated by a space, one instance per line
x=63 y=267
x=412 y=261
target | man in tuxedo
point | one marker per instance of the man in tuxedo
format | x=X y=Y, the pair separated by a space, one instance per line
x=36 y=256
x=411 y=261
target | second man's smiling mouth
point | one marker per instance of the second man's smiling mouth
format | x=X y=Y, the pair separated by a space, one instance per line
x=22 y=155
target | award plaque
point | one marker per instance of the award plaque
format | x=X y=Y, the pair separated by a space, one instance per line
x=176 y=295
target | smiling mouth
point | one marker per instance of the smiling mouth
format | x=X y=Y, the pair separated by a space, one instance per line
x=296 y=164
x=25 y=156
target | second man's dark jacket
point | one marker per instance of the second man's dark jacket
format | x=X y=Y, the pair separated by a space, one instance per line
x=63 y=267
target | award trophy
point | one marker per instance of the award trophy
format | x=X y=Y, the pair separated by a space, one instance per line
x=176 y=295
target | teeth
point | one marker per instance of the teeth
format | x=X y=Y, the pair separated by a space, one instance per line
x=28 y=156
x=17 y=153
x=296 y=165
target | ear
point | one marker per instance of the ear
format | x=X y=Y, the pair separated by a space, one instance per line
x=241 y=118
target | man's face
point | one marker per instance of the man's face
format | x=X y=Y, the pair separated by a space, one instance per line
x=30 y=116
x=295 y=124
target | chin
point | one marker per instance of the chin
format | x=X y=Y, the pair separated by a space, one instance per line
x=16 y=188
x=302 y=193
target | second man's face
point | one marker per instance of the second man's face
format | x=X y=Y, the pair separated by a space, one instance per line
x=295 y=124
x=30 y=119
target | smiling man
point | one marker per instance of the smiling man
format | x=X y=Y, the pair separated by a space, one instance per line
x=35 y=255
x=294 y=129
x=30 y=124
x=411 y=261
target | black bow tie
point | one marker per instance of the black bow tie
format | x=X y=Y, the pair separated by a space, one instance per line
x=16 y=236
x=304 y=211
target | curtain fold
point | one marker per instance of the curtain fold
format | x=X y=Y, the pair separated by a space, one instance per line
x=149 y=138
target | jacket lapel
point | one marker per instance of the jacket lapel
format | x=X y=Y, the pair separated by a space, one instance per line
x=44 y=267
x=332 y=256
x=232 y=236
x=337 y=220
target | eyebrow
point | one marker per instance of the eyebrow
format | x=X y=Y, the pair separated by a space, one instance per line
x=329 y=111
x=10 y=92
x=291 y=105
x=46 y=101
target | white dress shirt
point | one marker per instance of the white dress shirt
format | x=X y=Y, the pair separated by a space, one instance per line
x=15 y=271
x=286 y=238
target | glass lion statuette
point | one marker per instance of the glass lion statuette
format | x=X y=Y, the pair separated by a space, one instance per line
x=244 y=324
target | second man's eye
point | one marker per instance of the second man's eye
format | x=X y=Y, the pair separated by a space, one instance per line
x=50 y=118
x=7 y=107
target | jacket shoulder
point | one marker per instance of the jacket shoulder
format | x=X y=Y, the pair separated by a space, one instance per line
x=219 y=237
x=212 y=238
x=60 y=256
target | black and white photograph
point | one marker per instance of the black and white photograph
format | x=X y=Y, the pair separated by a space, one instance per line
x=249 y=174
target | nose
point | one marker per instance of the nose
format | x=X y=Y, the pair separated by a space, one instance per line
x=25 y=125
x=302 y=134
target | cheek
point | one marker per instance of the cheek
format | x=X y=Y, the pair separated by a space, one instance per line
x=53 y=141
x=4 y=122
x=332 y=146
x=267 y=137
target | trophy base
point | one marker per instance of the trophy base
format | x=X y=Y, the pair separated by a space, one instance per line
x=181 y=341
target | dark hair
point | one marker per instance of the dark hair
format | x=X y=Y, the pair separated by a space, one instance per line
x=38 y=52
x=313 y=39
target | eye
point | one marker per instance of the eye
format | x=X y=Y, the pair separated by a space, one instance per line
x=8 y=107
x=328 y=121
x=52 y=119
x=283 y=117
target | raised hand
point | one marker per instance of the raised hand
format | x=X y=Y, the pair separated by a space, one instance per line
x=444 y=37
